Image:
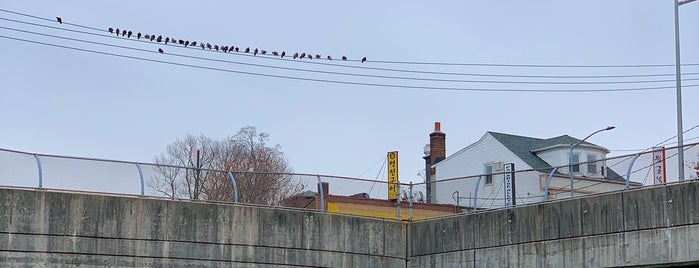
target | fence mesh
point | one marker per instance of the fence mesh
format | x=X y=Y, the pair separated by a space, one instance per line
x=464 y=193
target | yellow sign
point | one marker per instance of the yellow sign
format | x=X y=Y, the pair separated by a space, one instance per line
x=392 y=175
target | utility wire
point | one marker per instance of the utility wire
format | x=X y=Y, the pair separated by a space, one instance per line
x=348 y=82
x=359 y=67
x=422 y=63
x=353 y=74
x=425 y=63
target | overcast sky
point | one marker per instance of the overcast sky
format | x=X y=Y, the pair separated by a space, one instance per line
x=61 y=101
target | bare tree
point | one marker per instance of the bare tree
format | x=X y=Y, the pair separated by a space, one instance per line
x=262 y=172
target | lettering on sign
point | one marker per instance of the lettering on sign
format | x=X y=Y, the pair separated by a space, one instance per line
x=509 y=177
x=392 y=175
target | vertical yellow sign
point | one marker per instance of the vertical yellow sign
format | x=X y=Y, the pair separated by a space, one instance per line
x=393 y=175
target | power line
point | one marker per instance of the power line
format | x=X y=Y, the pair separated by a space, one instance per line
x=348 y=82
x=354 y=74
x=430 y=63
x=360 y=67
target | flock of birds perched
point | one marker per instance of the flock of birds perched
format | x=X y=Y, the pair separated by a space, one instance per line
x=222 y=48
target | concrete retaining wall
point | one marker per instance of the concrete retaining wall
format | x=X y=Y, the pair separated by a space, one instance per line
x=641 y=227
x=657 y=225
x=40 y=229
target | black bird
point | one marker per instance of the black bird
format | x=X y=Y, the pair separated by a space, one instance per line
x=117 y=32
x=201 y=45
x=111 y=30
x=303 y=55
x=216 y=47
x=123 y=32
x=344 y=57
x=330 y=58
x=275 y=53
x=167 y=39
x=160 y=50
x=147 y=36
x=152 y=37
x=60 y=21
x=208 y=46
x=138 y=35
x=283 y=54
x=317 y=56
x=186 y=43
x=263 y=52
x=194 y=44
x=159 y=39
x=128 y=35
x=236 y=49
x=224 y=49
x=296 y=55
x=181 y=42
x=255 y=52
x=247 y=50
x=363 y=59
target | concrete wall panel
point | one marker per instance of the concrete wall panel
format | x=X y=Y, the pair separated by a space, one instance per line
x=602 y=214
x=645 y=208
x=683 y=203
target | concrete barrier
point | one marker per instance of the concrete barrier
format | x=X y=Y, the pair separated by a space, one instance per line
x=40 y=228
x=649 y=226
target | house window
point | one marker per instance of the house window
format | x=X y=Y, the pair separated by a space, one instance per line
x=591 y=164
x=488 y=174
x=575 y=160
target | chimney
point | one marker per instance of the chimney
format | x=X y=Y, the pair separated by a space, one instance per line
x=438 y=150
x=325 y=187
x=437 y=153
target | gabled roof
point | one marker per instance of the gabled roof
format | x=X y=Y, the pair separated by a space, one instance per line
x=525 y=148
x=522 y=147
x=563 y=140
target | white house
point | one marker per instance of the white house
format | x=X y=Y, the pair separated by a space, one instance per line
x=484 y=160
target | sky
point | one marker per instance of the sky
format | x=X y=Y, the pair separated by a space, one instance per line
x=67 y=102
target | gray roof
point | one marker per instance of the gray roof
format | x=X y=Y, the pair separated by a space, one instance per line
x=524 y=148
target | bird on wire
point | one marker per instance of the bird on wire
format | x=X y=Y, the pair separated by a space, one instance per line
x=59 y=20
x=224 y=49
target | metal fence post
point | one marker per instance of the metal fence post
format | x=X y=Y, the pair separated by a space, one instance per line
x=475 y=195
x=548 y=183
x=140 y=174
x=398 y=202
x=322 y=195
x=411 y=202
x=235 y=188
x=41 y=175
x=628 y=171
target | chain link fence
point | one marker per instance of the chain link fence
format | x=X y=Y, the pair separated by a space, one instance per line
x=357 y=196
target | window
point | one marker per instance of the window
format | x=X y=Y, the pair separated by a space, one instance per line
x=488 y=174
x=591 y=164
x=575 y=160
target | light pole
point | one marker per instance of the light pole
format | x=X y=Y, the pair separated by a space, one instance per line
x=570 y=155
x=680 y=142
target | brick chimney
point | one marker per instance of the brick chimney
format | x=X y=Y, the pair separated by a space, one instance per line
x=438 y=152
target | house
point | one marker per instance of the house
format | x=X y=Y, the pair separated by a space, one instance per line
x=482 y=165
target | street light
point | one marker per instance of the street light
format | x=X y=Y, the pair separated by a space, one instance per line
x=570 y=156
x=680 y=152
